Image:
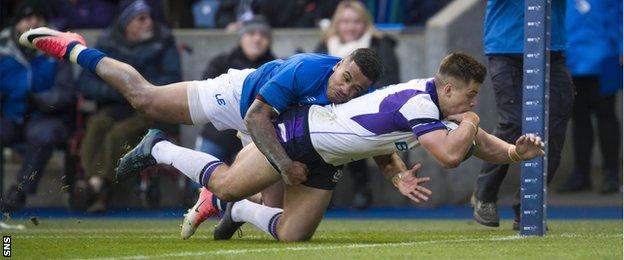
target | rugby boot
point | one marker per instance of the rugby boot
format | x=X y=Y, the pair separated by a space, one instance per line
x=140 y=157
x=203 y=209
x=51 y=42
x=225 y=229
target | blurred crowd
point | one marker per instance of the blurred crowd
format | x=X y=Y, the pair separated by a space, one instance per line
x=45 y=108
x=226 y=14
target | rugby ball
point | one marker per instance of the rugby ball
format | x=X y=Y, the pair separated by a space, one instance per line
x=450 y=126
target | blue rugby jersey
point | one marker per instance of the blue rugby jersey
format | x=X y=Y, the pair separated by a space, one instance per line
x=299 y=80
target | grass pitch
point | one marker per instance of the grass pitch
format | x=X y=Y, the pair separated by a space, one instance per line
x=351 y=239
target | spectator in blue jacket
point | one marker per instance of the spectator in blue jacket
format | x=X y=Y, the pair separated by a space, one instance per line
x=37 y=96
x=134 y=38
x=594 y=31
x=503 y=42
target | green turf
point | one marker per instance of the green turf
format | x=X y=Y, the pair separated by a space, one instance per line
x=352 y=239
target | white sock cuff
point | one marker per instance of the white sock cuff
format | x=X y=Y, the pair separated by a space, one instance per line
x=73 y=55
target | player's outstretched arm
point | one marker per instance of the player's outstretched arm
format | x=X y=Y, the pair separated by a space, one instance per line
x=258 y=123
x=406 y=180
x=492 y=149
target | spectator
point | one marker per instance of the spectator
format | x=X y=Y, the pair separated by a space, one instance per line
x=351 y=28
x=231 y=14
x=503 y=42
x=299 y=14
x=594 y=37
x=253 y=49
x=148 y=46
x=37 y=96
x=417 y=12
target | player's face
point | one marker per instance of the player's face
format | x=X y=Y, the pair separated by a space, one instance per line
x=459 y=97
x=346 y=82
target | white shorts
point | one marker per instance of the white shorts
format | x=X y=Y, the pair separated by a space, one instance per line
x=218 y=100
x=244 y=137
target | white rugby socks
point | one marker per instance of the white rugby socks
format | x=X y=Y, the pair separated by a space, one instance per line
x=190 y=162
x=263 y=217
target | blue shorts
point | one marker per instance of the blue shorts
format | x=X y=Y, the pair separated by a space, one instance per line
x=292 y=130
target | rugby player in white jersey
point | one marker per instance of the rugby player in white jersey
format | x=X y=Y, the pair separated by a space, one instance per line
x=377 y=125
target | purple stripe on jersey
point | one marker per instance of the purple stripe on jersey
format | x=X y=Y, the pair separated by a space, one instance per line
x=294 y=128
x=340 y=133
x=387 y=120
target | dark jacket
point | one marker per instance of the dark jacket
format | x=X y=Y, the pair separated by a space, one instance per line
x=157 y=60
x=33 y=83
x=384 y=46
x=234 y=59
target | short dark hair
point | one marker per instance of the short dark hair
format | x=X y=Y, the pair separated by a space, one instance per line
x=463 y=67
x=369 y=63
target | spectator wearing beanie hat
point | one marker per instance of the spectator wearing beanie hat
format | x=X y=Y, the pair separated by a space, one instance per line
x=253 y=50
x=135 y=38
x=136 y=21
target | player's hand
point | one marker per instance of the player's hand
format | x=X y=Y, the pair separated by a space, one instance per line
x=529 y=146
x=457 y=118
x=409 y=185
x=469 y=115
x=294 y=173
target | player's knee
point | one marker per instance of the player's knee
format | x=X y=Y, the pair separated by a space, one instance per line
x=223 y=192
x=286 y=236
x=286 y=232
x=225 y=195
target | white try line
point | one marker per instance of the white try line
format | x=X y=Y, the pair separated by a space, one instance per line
x=313 y=248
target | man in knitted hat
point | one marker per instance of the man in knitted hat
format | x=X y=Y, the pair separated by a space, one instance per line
x=134 y=38
x=252 y=50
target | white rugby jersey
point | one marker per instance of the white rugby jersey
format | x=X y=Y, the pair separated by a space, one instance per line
x=381 y=122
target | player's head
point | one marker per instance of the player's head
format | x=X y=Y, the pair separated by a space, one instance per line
x=354 y=75
x=458 y=81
